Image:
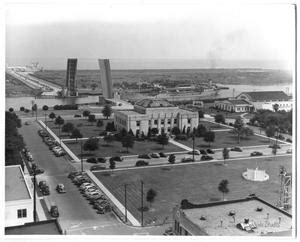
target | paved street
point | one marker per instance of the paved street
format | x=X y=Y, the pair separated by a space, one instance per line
x=76 y=215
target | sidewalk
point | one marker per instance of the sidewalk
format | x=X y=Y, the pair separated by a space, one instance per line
x=180 y=145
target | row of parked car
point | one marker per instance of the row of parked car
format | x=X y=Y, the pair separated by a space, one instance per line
x=91 y=192
x=28 y=156
x=53 y=145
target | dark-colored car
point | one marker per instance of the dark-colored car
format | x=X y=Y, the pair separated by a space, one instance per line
x=54 y=211
x=101 y=160
x=73 y=174
x=60 y=188
x=154 y=155
x=206 y=157
x=144 y=156
x=92 y=160
x=238 y=149
x=210 y=151
x=39 y=171
x=203 y=152
x=77 y=115
x=186 y=160
x=116 y=158
x=273 y=146
x=256 y=153
x=141 y=163
x=161 y=154
x=97 y=168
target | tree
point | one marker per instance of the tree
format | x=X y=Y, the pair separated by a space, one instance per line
x=107 y=111
x=200 y=131
x=225 y=154
x=275 y=107
x=128 y=142
x=238 y=127
x=219 y=118
x=22 y=109
x=175 y=130
x=209 y=137
x=201 y=114
x=270 y=131
x=52 y=116
x=163 y=139
x=59 y=121
x=108 y=139
x=99 y=123
x=11 y=110
x=151 y=194
x=76 y=134
x=67 y=128
x=183 y=130
x=112 y=164
x=91 y=144
x=45 y=109
x=172 y=159
x=34 y=109
x=92 y=118
x=86 y=113
x=94 y=86
x=223 y=187
x=110 y=127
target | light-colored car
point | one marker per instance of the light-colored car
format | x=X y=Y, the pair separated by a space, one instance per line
x=195 y=152
x=87 y=187
x=289 y=151
x=83 y=185
x=56 y=148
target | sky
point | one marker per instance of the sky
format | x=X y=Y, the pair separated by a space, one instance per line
x=151 y=36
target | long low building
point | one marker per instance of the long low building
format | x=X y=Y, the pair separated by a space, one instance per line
x=234 y=105
x=152 y=113
x=18 y=199
x=251 y=216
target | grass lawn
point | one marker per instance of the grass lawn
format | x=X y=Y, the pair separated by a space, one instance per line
x=197 y=183
x=115 y=148
x=212 y=126
x=226 y=139
x=86 y=128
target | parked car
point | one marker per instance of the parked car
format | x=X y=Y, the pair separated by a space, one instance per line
x=44 y=188
x=77 y=115
x=60 y=188
x=273 y=146
x=206 y=157
x=141 y=163
x=194 y=152
x=27 y=123
x=39 y=171
x=97 y=168
x=144 y=156
x=256 y=153
x=210 y=151
x=203 y=152
x=154 y=155
x=73 y=174
x=116 y=158
x=161 y=154
x=101 y=160
x=288 y=140
x=92 y=160
x=186 y=159
x=42 y=184
x=54 y=211
x=289 y=151
x=59 y=153
x=86 y=187
x=236 y=148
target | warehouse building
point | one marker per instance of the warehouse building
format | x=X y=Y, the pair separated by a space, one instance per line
x=152 y=113
x=234 y=105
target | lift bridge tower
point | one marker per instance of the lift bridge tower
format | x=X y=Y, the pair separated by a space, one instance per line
x=285 y=193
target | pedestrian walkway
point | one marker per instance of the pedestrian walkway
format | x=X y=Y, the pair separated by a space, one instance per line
x=112 y=198
x=180 y=145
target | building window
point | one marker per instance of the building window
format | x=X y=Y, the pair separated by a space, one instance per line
x=162 y=121
x=22 y=213
x=138 y=123
x=189 y=121
x=169 y=129
x=169 y=121
x=155 y=122
x=175 y=121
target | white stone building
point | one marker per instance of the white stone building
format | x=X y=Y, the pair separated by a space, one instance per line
x=234 y=105
x=152 y=113
x=267 y=99
x=18 y=199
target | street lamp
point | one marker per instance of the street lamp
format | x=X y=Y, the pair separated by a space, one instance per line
x=193 y=146
x=34 y=193
x=142 y=203
x=81 y=156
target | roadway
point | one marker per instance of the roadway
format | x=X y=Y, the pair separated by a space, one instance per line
x=76 y=215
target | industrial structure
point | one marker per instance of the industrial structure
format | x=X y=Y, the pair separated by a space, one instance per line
x=105 y=78
x=157 y=114
x=71 y=83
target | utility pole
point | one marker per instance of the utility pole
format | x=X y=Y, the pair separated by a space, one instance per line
x=193 y=147
x=125 y=203
x=81 y=158
x=142 y=203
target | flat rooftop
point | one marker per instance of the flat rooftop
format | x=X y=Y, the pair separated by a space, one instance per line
x=131 y=112
x=15 y=184
x=43 y=227
x=245 y=209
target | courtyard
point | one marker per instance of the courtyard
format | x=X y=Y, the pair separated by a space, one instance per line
x=196 y=182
